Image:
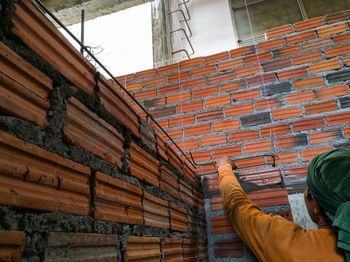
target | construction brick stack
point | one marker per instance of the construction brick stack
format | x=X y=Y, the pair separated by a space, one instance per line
x=288 y=96
x=82 y=178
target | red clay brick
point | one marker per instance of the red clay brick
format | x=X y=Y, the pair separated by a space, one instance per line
x=124 y=78
x=178 y=76
x=182 y=120
x=209 y=169
x=226 y=125
x=174 y=158
x=246 y=95
x=168 y=69
x=261 y=79
x=160 y=101
x=220 y=77
x=143 y=165
x=347 y=131
x=191 y=62
x=309 y=23
x=341 y=39
x=154 y=82
x=301 y=37
x=172 y=249
x=278 y=31
x=338 y=118
x=85 y=129
x=186 y=192
x=197 y=130
x=258 y=58
x=189 y=144
x=262 y=177
x=178 y=220
x=221 y=225
x=217 y=57
x=11 y=245
x=296 y=172
x=324 y=66
x=294 y=73
x=142 y=249
x=259 y=146
x=206 y=91
x=225 y=66
x=269 y=44
x=180 y=97
x=213 y=140
x=201 y=155
x=231 y=86
x=189 y=107
x=333 y=91
x=241 y=51
x=275 y=130
x=291 y=141
x=244 y=135
x=308 y=124
x=164 y=111
x=227 y=151
x=337 y=17
x=145 y=94
x=337 y=51
x=287 y=113
x=307 y=58
x=161 y=147
x=175 y=133
x=155 y=211
x=146 y=73
x=332 y=29
x=317 y=44
x=287 y=158
x=126 y=208
x=194 y=83
x=321 y=107
x=248 y=70
x=229 y=248
x=308 y=82
x=277 y=64
x=308 y=154
x=267 y=103
x=204 y=70
x=167 y=89
x=217 y=101
x=163 y=123
x=286 y=51
x=269 y=197
x=133 y=86
x=299 y=97
x=239 y=109
x=246 y=163
x=325 y=136
x=210 y=115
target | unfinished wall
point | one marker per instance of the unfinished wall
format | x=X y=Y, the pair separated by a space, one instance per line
x=81 y=176
x=287 y=96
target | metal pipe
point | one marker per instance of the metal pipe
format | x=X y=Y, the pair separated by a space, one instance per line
x=185 y=4
x=185 y=20
x=82 y=30
x=109 y=73
x=189 y=42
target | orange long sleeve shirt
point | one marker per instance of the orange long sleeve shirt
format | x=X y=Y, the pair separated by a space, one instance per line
x=273 y=238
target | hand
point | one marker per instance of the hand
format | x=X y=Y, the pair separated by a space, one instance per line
x=217 y=163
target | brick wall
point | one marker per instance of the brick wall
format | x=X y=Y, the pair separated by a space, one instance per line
x=82 y=177
x=288 y=96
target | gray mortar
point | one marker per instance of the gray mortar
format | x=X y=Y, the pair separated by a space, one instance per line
x=6 y=11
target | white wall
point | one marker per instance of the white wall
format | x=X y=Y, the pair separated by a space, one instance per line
x=212 y=26
x=126 y=39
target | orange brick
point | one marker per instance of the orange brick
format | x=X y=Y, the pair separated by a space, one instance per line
x=175 y=133
x=259 y=146
x=133 y=86
x=231 y=86
x=291 y=141
x=299 y=97
x=325 y=136
x=337 y=51
x=246 y=95
x=167 y=89
x=321 y=107
x=324 y=66
x=248 y=70
x=346 y=60
x=221 y=77
x=287 y=158
x=180 y=97
x=267 y=103
x=145 y=94
x=216 y=57
x=197 y=130
x=275 y=130
x=204 y=70
x=259 y=57
x=347 y=131
x=201 y=156
x=261 y=79
x=227 y=151
x=191 y=62
x=210 y=115
x=269 y=44
x=146 y=73
x=154 y=82
x=307 y=58
x=192 y=106
x=124 y=78
x=332 y=29
x=319 y=43
x=287 y=113
x=301 y=37
x=333 y=91
x=308 y=82
x=309 y=23
x=244 y=135
x=277 y=64
x=278 y=31
x=226 y=125
x=230 y=64
x=163 y=123
x=239 y=109
x=308 y=154
x=213 y=140
x=341 y=39
x=168 y=69
x=194 y=83
x=338 y=119
x=182 y=120
x=286 y=51
x=308 y=124
x=294 y=73
x=188 y=144
x=217 y=101
x=178 y=76
x=11 y=245
x=241 y=51
x=203 y=92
